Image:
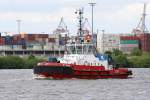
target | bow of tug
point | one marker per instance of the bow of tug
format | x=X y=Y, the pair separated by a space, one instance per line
x=53 y=70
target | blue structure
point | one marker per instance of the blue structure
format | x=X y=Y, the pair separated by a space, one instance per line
x=105 y=57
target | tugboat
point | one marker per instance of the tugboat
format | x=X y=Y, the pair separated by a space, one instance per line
x=81 y=60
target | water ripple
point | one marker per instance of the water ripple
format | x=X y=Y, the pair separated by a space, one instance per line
x=19 y=85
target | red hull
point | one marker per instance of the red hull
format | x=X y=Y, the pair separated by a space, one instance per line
x=62 y=71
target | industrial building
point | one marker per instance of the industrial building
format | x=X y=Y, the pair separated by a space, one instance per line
x=107 y=42
x=37 y=44
x=145 y=42
x=128 y=43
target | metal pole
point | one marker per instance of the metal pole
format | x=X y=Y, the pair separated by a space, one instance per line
x=92 y=5
x=18 y=22
x=103 y=41
x=59 y=51
x=143 y=19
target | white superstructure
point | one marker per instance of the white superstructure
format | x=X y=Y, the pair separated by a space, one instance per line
x=83 y=54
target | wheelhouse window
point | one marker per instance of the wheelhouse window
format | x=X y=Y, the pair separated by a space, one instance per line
x=81 y=49
x=71 y=50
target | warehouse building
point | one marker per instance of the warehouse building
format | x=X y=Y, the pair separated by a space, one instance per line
x=107 y=42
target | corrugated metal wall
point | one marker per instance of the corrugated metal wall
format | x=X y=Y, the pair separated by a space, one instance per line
x=144 y=41
x=128 y=43
x=2 y=41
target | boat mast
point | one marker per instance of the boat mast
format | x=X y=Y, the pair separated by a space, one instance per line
x=80 y=30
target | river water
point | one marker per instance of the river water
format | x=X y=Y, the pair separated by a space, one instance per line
x=19 y=85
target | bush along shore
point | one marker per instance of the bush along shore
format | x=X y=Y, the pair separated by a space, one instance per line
x=136 y=59
x=16 y=62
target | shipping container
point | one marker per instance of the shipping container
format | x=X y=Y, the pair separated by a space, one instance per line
x=46 y=40
x=56 y=47
x=17 y=47
x=129 y=38
x=51 y=40
x=62 y=42
x=23 y=41
x=19 y=41
x=145 y=41
x=53 y=35
x=64 y=35
x=40 y=40
x=47 y=47
x=30 y=37
x=107 y=42
x=16 y=37
x=8 y=40
x=6 y=47
x=48 y=43
x=1 y=47
x=62 y=48
x=2 y=41
x=37 y=47
x=127 y=48
x=40 y=36
x=129 y=45
x=29 y=47
x=129 y=42
x=24 y=47
x=43 y=35
x=32 y=43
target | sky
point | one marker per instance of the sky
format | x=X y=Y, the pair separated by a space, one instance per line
x=113 y=16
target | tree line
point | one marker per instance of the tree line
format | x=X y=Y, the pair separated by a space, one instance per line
x=137 y=58
x=16 y=62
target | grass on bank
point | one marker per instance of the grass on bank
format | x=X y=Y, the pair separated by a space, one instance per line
x=16 y=62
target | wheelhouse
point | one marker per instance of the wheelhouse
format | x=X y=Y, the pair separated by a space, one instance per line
x=81 y=49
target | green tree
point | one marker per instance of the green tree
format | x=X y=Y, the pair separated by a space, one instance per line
x=116 y=52
x=32 y=61
x=11 y=62
x=136 y=52
x=121 y=61
x=140 y=61
x=31 y=57
x=16 y=62
x=146 y=53
x=108 y=52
